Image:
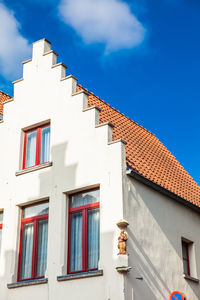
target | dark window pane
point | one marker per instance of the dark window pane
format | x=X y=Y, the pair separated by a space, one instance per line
x=30 y=149
x=185 y=257
x=93 y=238
x=1 y=217
x=42 y=247
x=184 y=249
x=185 y=267
x=76 y=242
x=27 y=249
x=36 y=210
x=45 y=144
x=84 y=198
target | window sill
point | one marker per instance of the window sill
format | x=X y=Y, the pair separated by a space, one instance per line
x=80 y=275
x=35 y=168
x=26 y=283
x=191 y=278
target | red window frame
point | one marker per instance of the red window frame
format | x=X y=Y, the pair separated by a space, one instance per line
x=1 y=224
x=84 y=209
x=35 y=221
x=187 y=258
x=38 y=145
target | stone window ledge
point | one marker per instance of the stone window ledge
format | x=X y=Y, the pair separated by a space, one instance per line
x=80 y=275
x=26 y=283
x=32 y=169
x=191 y=278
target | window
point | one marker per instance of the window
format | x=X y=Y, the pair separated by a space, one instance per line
x=1 y=226
x=36 y=146
x=186 y=259
x=83 y=250
x=33 y=241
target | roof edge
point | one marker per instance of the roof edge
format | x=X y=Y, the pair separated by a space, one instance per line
x=5 y=94
x=92 y=94
x=162 y=190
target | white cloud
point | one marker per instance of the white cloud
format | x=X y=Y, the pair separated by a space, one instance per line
x=14 y=48
x=103 y=21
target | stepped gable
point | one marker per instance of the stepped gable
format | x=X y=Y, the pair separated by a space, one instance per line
x=146 y=155
x=3 y=98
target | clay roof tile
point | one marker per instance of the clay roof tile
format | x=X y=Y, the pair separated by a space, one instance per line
x=3 y=98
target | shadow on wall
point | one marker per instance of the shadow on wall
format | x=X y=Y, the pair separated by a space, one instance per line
x=59 y=175
x=59 y=178
x=53 y=182
x=152 y=283
x=143 y=276
x=6 y=274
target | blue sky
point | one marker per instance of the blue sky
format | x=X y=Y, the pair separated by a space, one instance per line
x=142 y=57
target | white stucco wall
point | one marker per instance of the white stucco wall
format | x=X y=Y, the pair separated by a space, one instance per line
x=82 y=157
x=157 y=224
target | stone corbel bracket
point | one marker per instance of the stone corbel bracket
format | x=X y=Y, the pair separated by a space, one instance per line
x=122 y=224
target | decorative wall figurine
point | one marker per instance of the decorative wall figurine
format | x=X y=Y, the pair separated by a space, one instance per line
x=122 y=243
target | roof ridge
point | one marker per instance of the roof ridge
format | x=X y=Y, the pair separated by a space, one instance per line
x=116 y=110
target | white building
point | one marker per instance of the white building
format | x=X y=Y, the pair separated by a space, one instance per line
x=68 y=176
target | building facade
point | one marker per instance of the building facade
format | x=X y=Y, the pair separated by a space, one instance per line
x=72 y=169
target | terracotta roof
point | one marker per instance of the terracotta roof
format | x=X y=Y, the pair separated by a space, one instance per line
x=146 y=155
x=3 y=97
